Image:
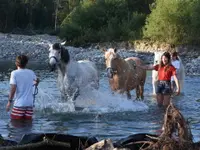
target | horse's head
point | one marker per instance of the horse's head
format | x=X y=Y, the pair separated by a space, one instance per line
x=157 y=57
x=111 y=56
x=58 y=54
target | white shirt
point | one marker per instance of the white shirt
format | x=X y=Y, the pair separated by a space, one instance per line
x=23 y=79
x=176 y=64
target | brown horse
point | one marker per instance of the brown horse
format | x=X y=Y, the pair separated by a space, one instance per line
x=124 y=75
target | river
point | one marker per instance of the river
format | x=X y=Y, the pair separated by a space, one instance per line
x=95 y=113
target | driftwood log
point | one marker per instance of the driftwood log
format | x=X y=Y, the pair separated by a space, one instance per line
x=176 y=133
x=46 y=144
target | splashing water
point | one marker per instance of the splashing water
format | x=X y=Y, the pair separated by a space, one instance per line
x=105 y=102
x=89 y=101
x=48 y=102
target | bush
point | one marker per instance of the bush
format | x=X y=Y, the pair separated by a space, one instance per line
x=70 y=31
x=170 y=21
x=102 y=21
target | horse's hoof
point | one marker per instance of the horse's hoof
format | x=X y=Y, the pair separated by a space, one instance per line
x=137 y=99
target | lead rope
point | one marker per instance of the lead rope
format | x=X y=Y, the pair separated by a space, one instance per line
x=34 y=94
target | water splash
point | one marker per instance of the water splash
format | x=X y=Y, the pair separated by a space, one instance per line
x=106 y=102
x=90 y=100
x=52 y=103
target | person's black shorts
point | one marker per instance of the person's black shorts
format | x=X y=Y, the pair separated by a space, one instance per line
x=164 y=87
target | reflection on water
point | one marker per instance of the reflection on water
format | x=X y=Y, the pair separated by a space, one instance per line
x=96 y=113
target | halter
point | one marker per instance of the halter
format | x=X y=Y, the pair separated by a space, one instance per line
x=54 y=58
x=110 y=72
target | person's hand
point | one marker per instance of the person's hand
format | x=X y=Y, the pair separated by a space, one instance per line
x=36 y=82
x=8 y=106
x=177 y=92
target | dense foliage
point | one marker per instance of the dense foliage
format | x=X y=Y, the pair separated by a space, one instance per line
x=174 y=21
x=103 y=20
x=25 y=14
x=87 y=21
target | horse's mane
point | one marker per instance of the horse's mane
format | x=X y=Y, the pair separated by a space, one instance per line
x=120 y=59
x=56 y=46
x=65 y=56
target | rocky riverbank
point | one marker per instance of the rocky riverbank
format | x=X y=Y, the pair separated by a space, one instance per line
x=36 y=47
x=190 y=54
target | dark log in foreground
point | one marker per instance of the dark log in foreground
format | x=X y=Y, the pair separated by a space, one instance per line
x=52 y=141
x=46 y=144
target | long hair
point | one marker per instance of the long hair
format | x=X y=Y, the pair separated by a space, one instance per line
x=166 y=54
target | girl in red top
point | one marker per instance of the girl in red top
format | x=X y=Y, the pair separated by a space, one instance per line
x=165 y=71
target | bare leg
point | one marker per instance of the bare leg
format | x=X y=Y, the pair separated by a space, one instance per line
x=159 y=99
x=166 y=100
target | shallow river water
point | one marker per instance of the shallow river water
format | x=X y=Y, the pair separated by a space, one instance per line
x=95 y=113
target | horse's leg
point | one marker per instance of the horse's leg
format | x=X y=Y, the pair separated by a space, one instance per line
x=154 y=81
x=141 y=89
x=75 y=94
x=137 y=90
x=63 y=93
x=128 y=94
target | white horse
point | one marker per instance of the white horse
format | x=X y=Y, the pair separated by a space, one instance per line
x=181 y=76
x=73 y=76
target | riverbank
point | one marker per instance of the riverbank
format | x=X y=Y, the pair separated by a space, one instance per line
x=36 y=47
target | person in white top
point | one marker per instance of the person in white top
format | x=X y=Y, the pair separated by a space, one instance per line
x=176 y=63
x=22 y=82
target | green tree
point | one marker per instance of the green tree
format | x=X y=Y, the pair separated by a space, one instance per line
x=169 y=21
x=102 y=20
x=194 y=29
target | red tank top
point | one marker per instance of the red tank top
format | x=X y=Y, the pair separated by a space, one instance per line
x=165 y=74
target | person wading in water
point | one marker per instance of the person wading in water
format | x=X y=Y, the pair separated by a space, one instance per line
x=22 y=82
x=165 y=71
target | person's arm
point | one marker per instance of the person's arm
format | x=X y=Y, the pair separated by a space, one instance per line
x=36 y=80
x=177 y=85
x=11 y=96
x=146 y=67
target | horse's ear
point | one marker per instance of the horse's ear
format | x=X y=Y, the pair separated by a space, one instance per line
x=63 y=43
x=65 y=55
x=50 y=45
x=104 y=50
x=115 y=50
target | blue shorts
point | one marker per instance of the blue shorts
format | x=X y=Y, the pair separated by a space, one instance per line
x=164 y=87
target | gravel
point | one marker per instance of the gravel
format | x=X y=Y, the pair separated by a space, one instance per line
x=36 y=47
